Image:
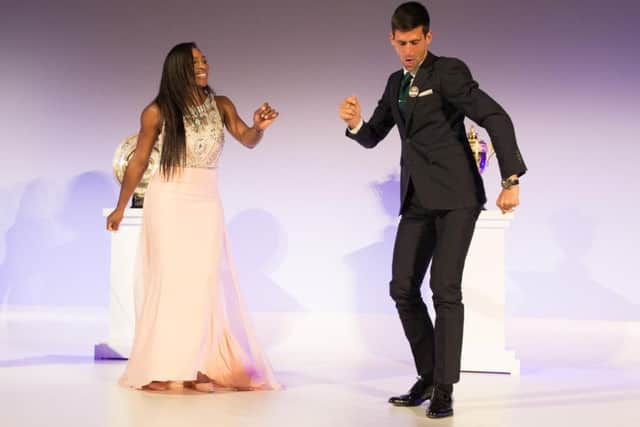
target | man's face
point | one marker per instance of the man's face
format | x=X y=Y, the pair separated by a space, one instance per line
x=411 y=46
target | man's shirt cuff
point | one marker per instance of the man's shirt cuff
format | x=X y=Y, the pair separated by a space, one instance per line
x=357 y=128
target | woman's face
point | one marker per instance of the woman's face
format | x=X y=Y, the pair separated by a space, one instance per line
x=200 y=68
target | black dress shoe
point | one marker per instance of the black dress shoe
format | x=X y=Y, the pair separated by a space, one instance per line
x=420 y=392
x=441 y=402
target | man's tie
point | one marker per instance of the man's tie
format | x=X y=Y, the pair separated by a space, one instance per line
x=404 y=91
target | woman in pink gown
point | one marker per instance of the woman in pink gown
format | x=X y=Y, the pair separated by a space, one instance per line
x=192 y=327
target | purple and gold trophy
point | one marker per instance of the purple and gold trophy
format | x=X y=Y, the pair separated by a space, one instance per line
x=121 y=158
x=482 y=151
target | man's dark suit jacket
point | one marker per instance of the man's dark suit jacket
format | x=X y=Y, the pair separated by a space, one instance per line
x=436 y=155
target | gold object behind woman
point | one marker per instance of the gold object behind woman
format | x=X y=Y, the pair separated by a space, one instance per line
x=482 y=151
x=124 y=153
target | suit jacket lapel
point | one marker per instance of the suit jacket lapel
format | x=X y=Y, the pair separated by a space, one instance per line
x=422 y=76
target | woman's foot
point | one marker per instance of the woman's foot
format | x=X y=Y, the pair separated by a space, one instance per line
x=201 y=387
x=157 y=386
x=203 y=384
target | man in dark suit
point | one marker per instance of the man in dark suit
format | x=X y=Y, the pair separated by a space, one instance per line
x=441 y=194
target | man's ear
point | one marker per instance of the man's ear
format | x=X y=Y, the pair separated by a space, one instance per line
x=428 y=37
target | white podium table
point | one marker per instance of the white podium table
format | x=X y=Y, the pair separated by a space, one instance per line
x=124 y=247
x=483 y=293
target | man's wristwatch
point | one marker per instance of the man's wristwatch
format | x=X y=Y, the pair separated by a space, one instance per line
x=509 y=182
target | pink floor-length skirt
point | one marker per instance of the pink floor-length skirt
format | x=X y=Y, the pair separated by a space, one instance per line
x=190 y=315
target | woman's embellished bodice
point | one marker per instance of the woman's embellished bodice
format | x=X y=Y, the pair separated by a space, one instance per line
x=204 y=136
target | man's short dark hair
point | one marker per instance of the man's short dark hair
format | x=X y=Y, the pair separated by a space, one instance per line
x=409 y=16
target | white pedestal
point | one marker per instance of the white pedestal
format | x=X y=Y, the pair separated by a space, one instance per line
x=124 y=246
x=483 y=292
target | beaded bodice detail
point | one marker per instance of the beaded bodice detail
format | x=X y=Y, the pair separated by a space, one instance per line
x=204 y=136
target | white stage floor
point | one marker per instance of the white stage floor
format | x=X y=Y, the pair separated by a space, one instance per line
x=573 y=374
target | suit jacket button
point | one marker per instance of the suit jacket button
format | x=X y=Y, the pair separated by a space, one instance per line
x=408 y=140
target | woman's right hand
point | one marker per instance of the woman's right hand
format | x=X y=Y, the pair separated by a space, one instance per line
x=114 y=219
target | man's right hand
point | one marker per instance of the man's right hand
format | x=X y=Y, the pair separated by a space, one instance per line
x=350 y=111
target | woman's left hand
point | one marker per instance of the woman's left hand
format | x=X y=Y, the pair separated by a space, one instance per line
x=264 y=116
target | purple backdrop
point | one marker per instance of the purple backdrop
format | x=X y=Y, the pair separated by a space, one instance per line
x=311 y=215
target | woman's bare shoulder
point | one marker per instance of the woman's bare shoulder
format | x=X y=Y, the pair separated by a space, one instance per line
x=152 y=115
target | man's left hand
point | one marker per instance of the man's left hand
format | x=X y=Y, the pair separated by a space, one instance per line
x=508 y=199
